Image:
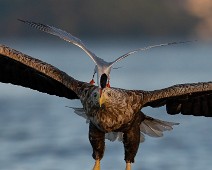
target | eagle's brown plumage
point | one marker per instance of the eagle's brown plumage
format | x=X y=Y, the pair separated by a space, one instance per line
x=121 y=109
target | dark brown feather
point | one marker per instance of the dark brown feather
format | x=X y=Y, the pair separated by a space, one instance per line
x=187 y=99
x=20 y=69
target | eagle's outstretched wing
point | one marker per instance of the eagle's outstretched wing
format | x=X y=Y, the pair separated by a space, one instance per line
x=187 y=99
x=20 y=69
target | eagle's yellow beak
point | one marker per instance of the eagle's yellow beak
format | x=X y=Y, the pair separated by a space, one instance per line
x=102 y=100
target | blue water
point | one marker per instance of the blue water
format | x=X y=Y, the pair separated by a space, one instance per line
x=37 y=131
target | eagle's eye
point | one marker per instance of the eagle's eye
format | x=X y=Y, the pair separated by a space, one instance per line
x=108 y=94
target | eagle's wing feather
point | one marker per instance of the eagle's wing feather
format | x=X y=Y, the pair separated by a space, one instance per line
x=20 y=69
x=188 y=99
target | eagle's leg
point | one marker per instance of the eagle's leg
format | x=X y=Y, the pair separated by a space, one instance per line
x=131 y=140
x=97 y=140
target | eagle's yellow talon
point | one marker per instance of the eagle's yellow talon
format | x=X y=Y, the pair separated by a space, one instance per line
x=128 y=166
x=97 y=165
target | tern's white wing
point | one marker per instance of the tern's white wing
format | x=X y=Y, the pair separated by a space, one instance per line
x=65 y=36
x=146 y=48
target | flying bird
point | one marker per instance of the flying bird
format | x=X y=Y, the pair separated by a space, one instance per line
x=102 y=67
x=116 y=113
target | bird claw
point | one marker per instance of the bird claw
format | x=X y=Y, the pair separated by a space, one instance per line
x=92 y=82
x=97 y=165
x=108 y=85
x=128 y=166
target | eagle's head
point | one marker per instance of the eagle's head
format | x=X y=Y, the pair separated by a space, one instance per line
x=110 y=96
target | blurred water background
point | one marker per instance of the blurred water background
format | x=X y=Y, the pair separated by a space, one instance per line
x=37 y=131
